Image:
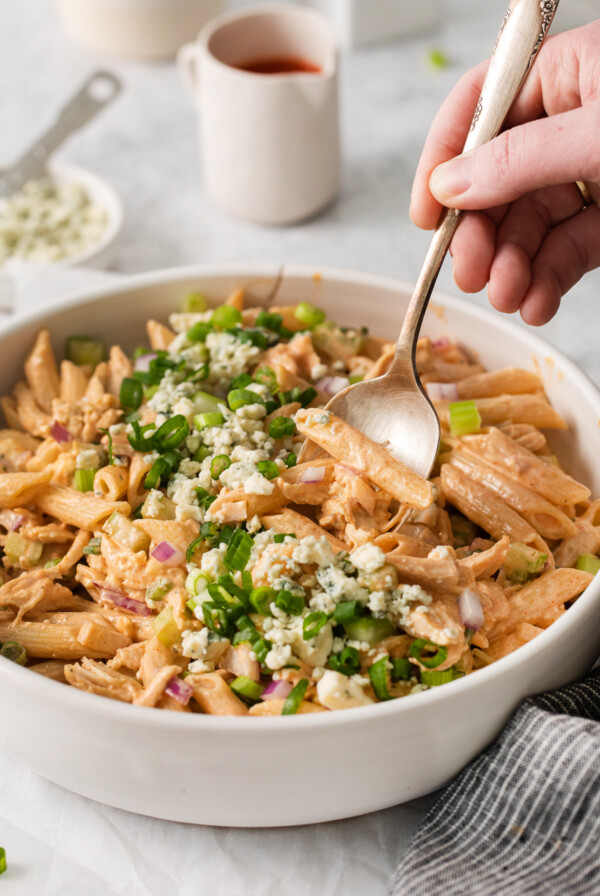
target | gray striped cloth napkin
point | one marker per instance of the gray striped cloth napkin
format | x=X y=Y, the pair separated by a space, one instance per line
x=523 y=819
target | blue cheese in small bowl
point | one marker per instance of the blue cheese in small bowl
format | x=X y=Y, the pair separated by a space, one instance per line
x=69 y=217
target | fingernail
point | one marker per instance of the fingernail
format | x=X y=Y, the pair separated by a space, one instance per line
x=451 y=179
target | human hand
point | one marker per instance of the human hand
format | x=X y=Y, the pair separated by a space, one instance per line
x=535 y=239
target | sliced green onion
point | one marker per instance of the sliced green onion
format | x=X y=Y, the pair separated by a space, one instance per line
x=401 y=669
x=370 y=629
x=84 y=350
x=423 y=651
x=156 y=590
x=199 y=332
x=309 y=314
x=281 y=426
x=588 y=563
x=217 y=619
x=2 y=860
x=193 y=547
x=131 y=393
x=261 y=598
x=194 y=302
x=219 y=464
x=313 y=623
x=290 y=603
x=12 y=650
x=294 y=698
x=268 y=469
x=238 y=551
x=464 y=418
x=225 y=317
x=246 y=578
x=93 y=546
x=252 y=335
x=225 y=535
x=271 y=404
x=437 y=58
x=111 y=459
x=281 y=537
x=210 y=418
x=246 y=688
x=347 y=662
x=269 y=320
x=171 y=434
x=347 y=610
x=433 y=679
x=199 y=374
x=265 y=376
x=378 y=673
x=52 y=563
x=202 y=453
x=159 y=470
x=84 y=480
x=290 y=460
x=308 y=395
x=243 y=379
x=260 y=647
x=237 y=398
x=196 y=582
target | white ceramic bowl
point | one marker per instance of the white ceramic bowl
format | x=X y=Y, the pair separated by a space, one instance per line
x=308 y=768
x=101 y=253
x=136 y=29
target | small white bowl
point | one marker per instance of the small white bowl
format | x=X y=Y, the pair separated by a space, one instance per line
x=100 y=192
x=136 y=29
x=290 y=770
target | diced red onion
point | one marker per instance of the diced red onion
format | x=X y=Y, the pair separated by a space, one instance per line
x=179 y=690
x=276 y=690
x=330 y=385
x=442 y=391
x=312 y=475
x=469 y=609
x=142 y=363
x=442 y=342
x=167 y=554
x=59 y=433
x=121 y=600
x=12 y=520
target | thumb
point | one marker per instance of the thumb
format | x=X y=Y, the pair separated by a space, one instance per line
x=538 y=154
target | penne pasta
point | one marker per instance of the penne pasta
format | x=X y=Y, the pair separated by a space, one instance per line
x=202 y=564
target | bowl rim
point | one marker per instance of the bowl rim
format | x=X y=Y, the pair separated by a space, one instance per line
x=145 y=717
x=101 y=192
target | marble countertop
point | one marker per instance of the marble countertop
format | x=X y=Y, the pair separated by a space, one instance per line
x=145 y=145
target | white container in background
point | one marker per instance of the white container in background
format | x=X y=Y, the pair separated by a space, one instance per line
x=367 y=21
x=135 y=29
x=269 y=142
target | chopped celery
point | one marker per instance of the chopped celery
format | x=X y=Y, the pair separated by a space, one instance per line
x=369 y=629
x=126 y=533
x=589 y=563
x=21 y=551
x=522 y=561
x=309 y=314
x=247 y=689
x=165 y=628
x=84 y=350
x=464 y=418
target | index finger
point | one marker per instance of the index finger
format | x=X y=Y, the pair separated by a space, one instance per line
x=445 y=140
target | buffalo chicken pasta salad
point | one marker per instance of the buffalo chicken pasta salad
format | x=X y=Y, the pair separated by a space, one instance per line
x=162 y=544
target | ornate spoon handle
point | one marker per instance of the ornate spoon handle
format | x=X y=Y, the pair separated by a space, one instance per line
x=522 y=33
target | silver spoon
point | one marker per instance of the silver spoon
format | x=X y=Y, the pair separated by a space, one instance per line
x=394 y=409
x=99 y=89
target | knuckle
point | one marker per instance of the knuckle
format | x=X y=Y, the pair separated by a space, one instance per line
x=505 y=154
